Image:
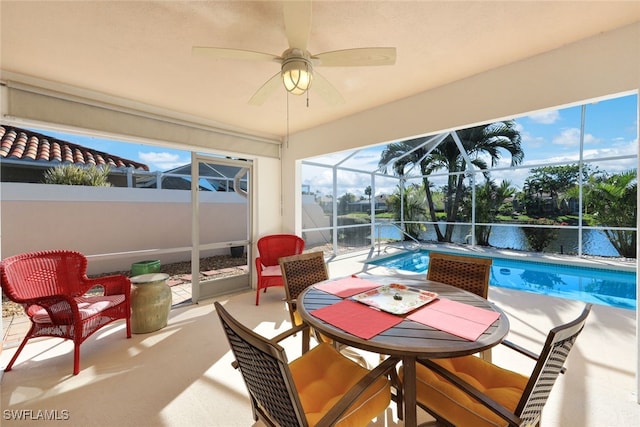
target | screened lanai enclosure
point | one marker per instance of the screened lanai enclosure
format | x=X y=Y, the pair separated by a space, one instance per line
x=212 y=177
x=556 y=181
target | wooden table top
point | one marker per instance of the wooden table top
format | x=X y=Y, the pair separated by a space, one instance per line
x=409 y=337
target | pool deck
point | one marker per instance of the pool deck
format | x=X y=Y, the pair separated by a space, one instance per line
x=600 y=387
x=14 y=328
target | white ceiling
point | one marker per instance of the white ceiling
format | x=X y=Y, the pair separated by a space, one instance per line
x=141 y=50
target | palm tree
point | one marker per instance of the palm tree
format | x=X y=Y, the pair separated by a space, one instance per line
x=407 y=154
x=477 y=141
x=409 y=202
x=613 y=201
x=489 y=199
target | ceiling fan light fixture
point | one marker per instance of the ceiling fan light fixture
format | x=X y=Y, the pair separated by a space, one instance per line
x=297 y=74
x=297 y=64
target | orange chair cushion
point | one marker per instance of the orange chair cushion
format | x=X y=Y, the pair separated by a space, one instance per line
x=297 y=318
x=322 y=376
x=503 y=386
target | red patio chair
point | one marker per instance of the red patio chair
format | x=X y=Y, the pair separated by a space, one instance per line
x=270 y=249
x=52 y=287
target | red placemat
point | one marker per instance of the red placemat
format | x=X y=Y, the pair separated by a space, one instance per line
x=456 y=318
x=357 y=319
x=347 y=287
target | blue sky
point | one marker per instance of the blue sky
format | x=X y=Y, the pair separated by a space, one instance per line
x=611 y=129
x=157 y=158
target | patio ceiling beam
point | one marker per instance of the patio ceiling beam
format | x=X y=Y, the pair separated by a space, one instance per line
x=107 y=115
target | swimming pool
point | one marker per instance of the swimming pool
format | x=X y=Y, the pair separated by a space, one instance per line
x=600 y=286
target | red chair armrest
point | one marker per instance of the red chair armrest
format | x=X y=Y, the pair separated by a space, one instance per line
x=259 y=267
x=62 y=309
x=46 y=302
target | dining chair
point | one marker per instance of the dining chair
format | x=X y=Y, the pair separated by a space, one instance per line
x=469 y=391
x=320 y=388
x=298 y=273
x=270 y=249
x=464 y=272
x=60 y=300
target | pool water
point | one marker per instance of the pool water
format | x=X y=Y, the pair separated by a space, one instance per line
x=599 y=286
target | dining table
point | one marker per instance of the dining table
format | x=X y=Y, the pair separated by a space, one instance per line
x=404 y=332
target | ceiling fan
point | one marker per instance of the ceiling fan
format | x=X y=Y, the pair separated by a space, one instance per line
x=297 y=63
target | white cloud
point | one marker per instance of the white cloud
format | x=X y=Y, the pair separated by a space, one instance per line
x=321 y=180
x=546 y=117
x=618 y=150
x=530 y=141
x=571 y=137
x=162 y=160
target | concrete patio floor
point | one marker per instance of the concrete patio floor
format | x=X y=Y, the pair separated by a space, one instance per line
x=599 y=388
x=14 y=328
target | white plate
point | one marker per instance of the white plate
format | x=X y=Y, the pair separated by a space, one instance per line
x=395 y=298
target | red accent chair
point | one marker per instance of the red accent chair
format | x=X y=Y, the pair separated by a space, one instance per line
x=53 y=288
x=270 y=249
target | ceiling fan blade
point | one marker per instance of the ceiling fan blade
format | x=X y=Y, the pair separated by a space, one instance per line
x=322 y=87
x=266 y=90
x=238 y=54
x=356 y=57
x=297 y=22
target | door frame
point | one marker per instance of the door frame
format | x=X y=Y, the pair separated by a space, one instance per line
x=213 y=288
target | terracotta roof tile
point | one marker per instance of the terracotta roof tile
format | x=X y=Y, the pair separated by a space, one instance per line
x=22 y=144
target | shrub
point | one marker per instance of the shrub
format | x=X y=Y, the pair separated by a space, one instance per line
x=78 y=175
x=539 y=237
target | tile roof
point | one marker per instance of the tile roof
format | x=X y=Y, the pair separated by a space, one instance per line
x=22 y=144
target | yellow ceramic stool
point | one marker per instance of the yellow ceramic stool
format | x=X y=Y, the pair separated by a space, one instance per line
x=150 y=302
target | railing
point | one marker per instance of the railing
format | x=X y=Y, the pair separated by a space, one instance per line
x=136 y=178
x=397 y=227
x=577 y=240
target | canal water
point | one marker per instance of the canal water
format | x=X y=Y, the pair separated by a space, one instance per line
x=594 y=242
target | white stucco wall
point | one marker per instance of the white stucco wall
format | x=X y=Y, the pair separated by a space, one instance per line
x=115 y=227
x=267 y=209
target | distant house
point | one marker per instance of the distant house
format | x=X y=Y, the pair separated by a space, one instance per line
x=26 y=155
x=380 y=205
x=213 y=177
